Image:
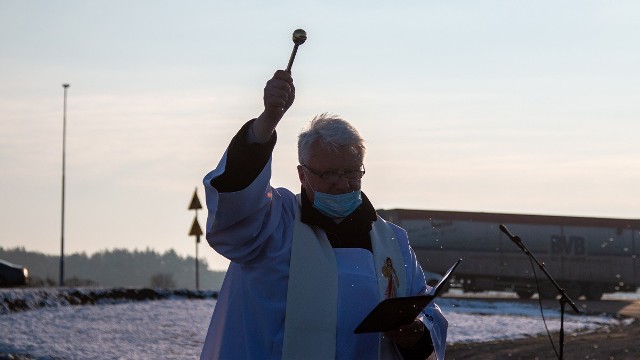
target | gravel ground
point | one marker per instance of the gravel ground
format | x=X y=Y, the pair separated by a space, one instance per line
x=620 y=342
x=613 y=343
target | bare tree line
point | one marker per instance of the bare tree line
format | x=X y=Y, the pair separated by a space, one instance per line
x=116 y=268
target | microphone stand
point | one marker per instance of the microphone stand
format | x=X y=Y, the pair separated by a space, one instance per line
x=564 y=298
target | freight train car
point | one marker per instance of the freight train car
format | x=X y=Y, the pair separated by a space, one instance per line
x=586 y=256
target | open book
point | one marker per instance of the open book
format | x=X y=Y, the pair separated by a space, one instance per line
x=392 y=313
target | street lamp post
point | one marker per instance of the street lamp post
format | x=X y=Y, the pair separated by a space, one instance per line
x=64 y=148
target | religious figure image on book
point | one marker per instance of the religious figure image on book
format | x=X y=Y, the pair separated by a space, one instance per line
x=390 y=273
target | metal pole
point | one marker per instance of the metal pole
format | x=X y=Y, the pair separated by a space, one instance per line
x=197 y=270
x=64 y=148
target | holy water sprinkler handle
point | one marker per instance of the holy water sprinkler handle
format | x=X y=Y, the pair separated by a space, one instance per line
x=299 y=37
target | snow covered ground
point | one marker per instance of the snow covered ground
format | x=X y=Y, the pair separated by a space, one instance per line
x=175 y=328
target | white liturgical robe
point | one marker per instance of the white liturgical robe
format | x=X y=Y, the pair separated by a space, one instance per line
x=254 y=228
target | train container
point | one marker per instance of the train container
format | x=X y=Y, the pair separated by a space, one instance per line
x=586 y=256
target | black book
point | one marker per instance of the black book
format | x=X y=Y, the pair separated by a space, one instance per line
x=392 y=313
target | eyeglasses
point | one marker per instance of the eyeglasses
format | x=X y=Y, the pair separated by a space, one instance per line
x=332 y=176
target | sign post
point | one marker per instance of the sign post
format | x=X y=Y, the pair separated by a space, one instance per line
x=196 y=231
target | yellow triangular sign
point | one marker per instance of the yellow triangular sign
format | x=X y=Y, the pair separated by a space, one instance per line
x=195 y=202
x=195 y=228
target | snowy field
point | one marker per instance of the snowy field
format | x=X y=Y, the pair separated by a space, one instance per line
x=175 y=328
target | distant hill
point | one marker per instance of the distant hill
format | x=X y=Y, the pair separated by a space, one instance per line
x=116 y=268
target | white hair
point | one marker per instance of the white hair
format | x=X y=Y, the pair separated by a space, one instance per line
x=333 y=133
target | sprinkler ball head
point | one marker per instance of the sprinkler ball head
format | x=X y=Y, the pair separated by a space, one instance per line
x=299 y=36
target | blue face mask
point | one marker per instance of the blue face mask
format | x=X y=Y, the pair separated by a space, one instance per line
x=337 y=206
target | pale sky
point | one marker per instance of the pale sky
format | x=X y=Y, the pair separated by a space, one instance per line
x=495 y=106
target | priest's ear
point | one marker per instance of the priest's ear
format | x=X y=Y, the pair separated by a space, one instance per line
x=301 y=174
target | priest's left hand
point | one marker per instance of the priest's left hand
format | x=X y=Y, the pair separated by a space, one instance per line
x=407 y=335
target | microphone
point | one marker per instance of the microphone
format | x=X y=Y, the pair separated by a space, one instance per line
x=513 y=238
x=504 y=230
